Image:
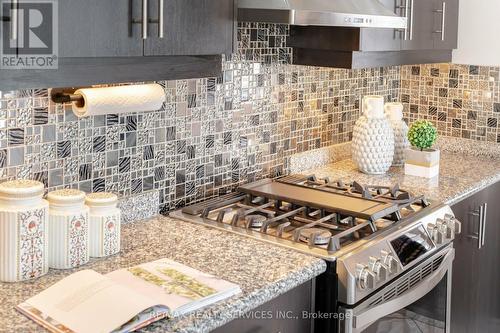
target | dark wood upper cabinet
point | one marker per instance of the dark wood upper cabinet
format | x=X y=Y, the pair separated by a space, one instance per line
x=97 y=28
x=446 y=24
x=419 y=34
x=192 y=27
x=103 y=42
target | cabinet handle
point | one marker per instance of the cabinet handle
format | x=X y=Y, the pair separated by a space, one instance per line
x=485 y=217
x=144 y=19
x=14 y=20
x=161 y=5
x=412 y=7
x=480 y=213
x=443 y=21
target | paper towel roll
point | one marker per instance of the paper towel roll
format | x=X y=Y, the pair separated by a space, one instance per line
x=120 y=99
x=394 y=111
x=373 y=107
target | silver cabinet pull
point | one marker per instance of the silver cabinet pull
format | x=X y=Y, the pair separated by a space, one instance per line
x=412 y=7
x=480 y=234
x=480 y=213
x=161 y=5
x=407 y=10
x=144 y=19
x=443 y=21
x=485 y=217
x=14 y=20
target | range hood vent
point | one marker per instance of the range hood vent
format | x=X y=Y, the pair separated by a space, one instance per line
x=332 y=13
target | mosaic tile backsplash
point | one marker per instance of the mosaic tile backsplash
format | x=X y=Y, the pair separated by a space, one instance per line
x=463 y=101
x=211 y=134
x=215 y=133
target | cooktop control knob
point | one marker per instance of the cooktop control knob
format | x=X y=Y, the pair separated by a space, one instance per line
x=445 y=229
x=389 y=261
x=379 y=268
x=436 y=234
x=453 y=223
x=365 y=277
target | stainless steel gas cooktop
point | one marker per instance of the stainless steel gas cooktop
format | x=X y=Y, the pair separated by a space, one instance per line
x=315 y=216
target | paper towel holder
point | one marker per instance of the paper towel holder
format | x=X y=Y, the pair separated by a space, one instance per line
x=67 y=96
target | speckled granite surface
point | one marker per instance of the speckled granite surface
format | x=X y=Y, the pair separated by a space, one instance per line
x=263 y=271
x=461 y=175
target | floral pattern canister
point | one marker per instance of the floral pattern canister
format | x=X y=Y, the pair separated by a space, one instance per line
x=68 y=228
x=24 y=246
x=104 y=224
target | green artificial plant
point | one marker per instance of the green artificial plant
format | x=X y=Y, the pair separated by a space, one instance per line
x=422 y=134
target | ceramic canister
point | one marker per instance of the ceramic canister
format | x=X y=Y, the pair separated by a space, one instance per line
x=373 y=138
x=104 y=224
x=24 y=245
x=68 y=228
x=394 y=112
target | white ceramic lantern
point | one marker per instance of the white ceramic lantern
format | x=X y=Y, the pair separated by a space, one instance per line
x=69 y=229
x=24 y=231
x=104 y=224
x=394 y=112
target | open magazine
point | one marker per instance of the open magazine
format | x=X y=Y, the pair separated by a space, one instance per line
x=124 y=300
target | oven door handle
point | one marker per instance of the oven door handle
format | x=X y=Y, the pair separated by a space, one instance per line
x=364 y=319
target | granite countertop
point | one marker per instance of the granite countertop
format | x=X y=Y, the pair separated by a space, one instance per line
x=461 y=175
x=263 y=271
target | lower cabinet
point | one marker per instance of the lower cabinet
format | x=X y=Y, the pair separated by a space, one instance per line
x=476 y=271
x=282 y=314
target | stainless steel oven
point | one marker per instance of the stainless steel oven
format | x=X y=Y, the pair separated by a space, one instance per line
x=416 y=301
x=401 y=280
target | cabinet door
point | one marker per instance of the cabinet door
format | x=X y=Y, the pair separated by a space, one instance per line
x=384 y=39
x=277 y=315
x=192 y=27
x=446 y=24
x=475 y=304
x=420 y=25
x=97 y=28
x=489 y=272
x=466 y=290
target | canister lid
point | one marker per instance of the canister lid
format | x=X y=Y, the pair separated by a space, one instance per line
x=101 y=199
x=66 y=197
x=21 y=189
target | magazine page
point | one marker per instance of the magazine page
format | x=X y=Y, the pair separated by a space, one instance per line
x=180 y=288
x=86 y=302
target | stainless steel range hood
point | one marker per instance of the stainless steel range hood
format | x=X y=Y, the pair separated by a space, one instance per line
x=333 y=13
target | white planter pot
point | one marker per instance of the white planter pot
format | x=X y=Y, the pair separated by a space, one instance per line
x=69 y=230
x=422 y=163
x=373 y=138
x=24 y=233
x=104 y=224
x=394 y=112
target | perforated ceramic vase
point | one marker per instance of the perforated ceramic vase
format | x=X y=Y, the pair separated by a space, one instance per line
x=373 y=138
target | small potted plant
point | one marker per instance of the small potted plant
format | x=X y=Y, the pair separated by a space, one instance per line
x=421 y=159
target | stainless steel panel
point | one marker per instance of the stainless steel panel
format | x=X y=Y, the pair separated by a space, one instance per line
x=340 y=13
